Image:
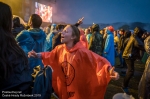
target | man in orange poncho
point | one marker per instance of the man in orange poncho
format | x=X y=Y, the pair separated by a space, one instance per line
x=78 y=73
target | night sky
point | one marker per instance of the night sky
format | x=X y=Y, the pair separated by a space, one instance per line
x=102 y=11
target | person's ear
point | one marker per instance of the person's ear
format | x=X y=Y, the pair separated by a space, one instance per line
x=73 y=37
x=29 y=23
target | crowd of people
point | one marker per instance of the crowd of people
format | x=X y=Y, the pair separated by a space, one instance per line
x=82 y=60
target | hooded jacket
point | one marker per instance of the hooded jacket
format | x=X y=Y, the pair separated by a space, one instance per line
x=49 y=38
x=83 y=39
x=109 y=51
x=96 y=40
x=78 y=73
x=134 y=45
x=144 y=84
x=32 y=39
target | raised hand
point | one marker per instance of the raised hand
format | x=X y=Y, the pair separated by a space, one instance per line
x=80 y=21
x=113 y=74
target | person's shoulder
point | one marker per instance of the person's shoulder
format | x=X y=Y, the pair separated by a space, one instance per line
x=60 y=46
x=23 y=33
x=84 y=50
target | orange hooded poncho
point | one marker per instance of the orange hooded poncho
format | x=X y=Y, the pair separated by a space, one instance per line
x=78 y=73
x=83 y=39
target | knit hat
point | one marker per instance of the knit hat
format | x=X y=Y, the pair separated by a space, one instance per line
x=110 y=28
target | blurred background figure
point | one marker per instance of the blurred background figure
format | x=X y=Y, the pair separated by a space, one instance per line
x=109 y=51
x=48 y=28
x=96 y=40
x=144 y=85
x=17 y=26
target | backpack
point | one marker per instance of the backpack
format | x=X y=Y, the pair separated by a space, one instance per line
x=42 y=83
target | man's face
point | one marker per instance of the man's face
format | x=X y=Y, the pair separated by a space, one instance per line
x=120 y=32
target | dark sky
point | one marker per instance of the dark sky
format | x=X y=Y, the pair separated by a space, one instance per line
x=102 y=11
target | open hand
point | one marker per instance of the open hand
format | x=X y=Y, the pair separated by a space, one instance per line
x=80 y=21
x=113 y=74
x=32 y=54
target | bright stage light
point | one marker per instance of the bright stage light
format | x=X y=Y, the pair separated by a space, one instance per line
x=44 y=11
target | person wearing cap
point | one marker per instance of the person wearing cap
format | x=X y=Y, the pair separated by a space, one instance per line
x=96 y=40
x=109 y=52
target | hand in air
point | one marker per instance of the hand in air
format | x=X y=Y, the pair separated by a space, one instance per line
x=80 y=21
x=113 y=74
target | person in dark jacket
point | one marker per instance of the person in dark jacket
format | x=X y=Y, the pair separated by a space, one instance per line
x=96 y=40
x=121 y=46
x=17 y=27
x=14 y=69
x=126 y=39
x=144 y=84
x=127 y=35
x=131 y=53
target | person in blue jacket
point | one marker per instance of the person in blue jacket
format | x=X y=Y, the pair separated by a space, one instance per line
x=49 y=38
x=32 y=39
x=109 y=52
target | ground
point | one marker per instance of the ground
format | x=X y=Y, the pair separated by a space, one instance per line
x=114 y=86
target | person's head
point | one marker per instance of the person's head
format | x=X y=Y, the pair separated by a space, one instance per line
x=109 y=29
x=115 y=33
x=5 y=17
x=95 y=28
x=70 y=34
x=138 y=32
x=101 y=31
x=49 y=26
x=53 y=27
x=127 y=34
x=16 y=22
x=121 y=31
x=87 y=31
x=35 y=21
x=59 y=27
x=90 y=28
x=8 y=45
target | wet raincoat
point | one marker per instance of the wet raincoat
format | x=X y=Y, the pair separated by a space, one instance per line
x=83 y=39
x=49 y=38
x=32 y=39
x=78 y=73
x=109 y=51
x=144 y=85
